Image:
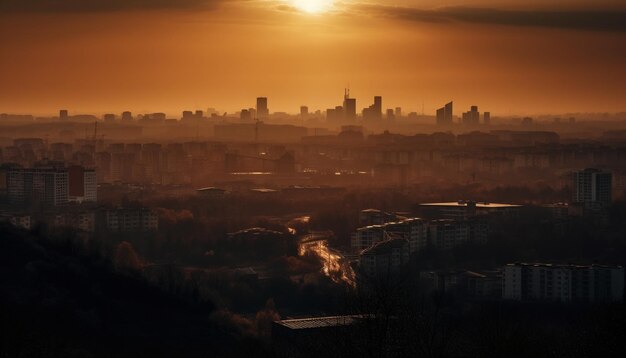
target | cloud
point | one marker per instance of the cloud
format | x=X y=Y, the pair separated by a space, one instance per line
x=48 y=6
x=595 y=20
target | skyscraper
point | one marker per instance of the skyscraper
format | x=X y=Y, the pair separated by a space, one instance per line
x=349 y=106
x=444 y=114
x=261 y=108
x=375 y=111
x=127 y=116
x=378 y=106
x=63 y=115
x=472 y=117
x=448 y=112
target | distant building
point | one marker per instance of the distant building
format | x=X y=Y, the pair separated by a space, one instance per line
x=398 y=112
x=563 y=283
x=390 y=115
x=444 y=114
x=349 y=107
x=375 y=111
x=472 y=117
x=304 y=112
x=129 y=220
x=487 y=118
x=109 y=117
x=414 y=230
x=446 y=234
x=127 y=116
x=245 y=115
x=369 y=217
x=18 y=220
x=464 y=209
x=262 y=110
x=83 y=184
x=367 y=236
x=383 y=259
x=187 y=115
x=483 y=284
x=592 y=188
x=81 y=220
x=63 y=115
x=48 y=186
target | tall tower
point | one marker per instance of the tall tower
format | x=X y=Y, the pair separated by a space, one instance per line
x=349 y=106
x=261 y=108
x=378 y=107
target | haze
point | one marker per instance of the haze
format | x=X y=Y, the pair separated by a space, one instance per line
x=514 y=57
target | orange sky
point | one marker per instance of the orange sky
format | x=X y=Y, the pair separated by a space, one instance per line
x=207 y=53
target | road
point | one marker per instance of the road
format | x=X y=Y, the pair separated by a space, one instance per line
x=334 y=265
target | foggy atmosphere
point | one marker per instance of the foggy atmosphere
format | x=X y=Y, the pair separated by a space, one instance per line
x=312 y=178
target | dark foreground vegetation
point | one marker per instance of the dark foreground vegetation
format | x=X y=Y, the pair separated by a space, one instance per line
x=60 y=299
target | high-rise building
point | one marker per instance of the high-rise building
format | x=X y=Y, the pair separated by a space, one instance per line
x=472 y=117
x=304 y=111
x=46 y=185
x=592 y=187
x=63 y=115
x=487 y=118
x=261 y=108
x=82 y=184
x=109 y=117
x=383 y=259
x=563 y=283
x=444 y=114
x=375 y=111
x=335 y=114
x=349 y=106
x=398 y=112
x=390 y=114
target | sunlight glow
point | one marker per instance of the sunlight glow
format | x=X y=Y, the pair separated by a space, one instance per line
x=313 y=6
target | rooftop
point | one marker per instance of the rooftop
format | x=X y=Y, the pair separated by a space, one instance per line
x=320 y=322
x=478 y=204
x=557 y=265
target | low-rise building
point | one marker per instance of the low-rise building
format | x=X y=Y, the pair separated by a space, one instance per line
x=18 y=220
x=131 y=220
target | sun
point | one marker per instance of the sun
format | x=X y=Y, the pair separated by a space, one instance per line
x=313 y=6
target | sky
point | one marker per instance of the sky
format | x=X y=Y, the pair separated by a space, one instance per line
x=506 y=56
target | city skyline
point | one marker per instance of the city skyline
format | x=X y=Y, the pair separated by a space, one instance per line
x=513 y=57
